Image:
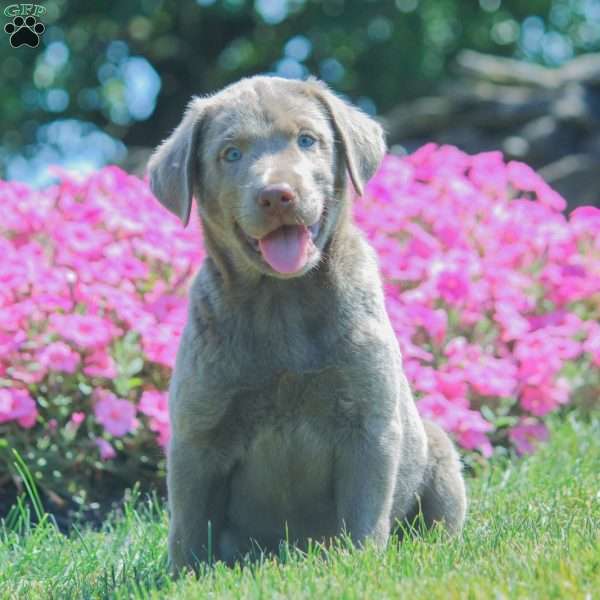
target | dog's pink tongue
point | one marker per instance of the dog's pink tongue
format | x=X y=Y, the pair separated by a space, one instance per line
x=285 y=249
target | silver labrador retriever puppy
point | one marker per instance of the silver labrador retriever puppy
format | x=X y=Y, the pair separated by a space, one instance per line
x=291 y=415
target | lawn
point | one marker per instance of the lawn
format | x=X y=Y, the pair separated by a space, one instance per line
x=533 y=531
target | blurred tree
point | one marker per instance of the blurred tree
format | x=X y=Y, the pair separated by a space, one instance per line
x=114 y=65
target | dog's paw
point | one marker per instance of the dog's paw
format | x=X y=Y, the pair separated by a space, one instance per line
x=24 y=32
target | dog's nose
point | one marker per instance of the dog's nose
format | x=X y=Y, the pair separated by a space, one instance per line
x=276 y=196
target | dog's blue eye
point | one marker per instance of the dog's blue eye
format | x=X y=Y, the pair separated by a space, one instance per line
x=305 y=140
x=232 y=154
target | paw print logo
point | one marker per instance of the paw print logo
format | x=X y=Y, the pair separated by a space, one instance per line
x=24 y=31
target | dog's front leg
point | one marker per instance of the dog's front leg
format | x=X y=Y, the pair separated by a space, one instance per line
x=365 y=477
x=197 y=488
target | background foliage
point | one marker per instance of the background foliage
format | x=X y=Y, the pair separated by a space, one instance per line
x=114 y=65
x=92 y=301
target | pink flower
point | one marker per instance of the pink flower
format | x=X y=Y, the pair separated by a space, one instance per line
x=470 y=430
x=17 y=405
x=107 y=452
x=58 y=356
x=488 y=375
x=435 y=322
x=488 y=171
x=556 y=317
x=453 y=386
x=82 y=239
x=77 y=418
x=592 y=343
x=28 y=371
x=527 y=434
x=475 y=440
x=87 y=331
x=116 y=415
x=513 y=324
x=522 y=176
x=421 y=377
x=160 y=343
x=163 y=431
x=437 y=408
x=10 y=341
x=585 y=220
x=453 y=286
x=545 y=397
x=542 y=353
x=100 y=364
x=154 y=404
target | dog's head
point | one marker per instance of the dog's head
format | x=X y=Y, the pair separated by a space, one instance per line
x=267 y=160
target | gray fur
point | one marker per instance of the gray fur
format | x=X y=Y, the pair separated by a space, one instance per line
x=291 y=415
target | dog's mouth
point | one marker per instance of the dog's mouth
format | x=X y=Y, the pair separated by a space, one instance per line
x=286 y=249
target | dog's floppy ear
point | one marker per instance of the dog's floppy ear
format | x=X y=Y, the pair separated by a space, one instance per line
x=172 y=167
x=360 y=137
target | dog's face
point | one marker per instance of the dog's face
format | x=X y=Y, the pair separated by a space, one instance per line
x=266 y=159
x=266 y=166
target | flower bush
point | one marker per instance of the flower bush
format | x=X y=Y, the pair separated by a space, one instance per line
x=493 y=292
x=93 y=283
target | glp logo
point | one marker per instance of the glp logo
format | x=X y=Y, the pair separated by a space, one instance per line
x=24 y=31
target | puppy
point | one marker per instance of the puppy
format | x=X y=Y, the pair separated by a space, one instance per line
x=291 y=415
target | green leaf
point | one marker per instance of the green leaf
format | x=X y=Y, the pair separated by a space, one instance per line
x=135 y=366
x=507 y=421
x=487 y=412
x=85 y=389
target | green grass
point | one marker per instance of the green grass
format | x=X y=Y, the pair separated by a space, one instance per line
x=533 y=532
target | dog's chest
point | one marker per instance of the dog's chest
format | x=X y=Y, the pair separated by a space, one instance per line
x=286 y=403
x=284 y=476
x=274 y=369
x=285 y=437
x=268 y=344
